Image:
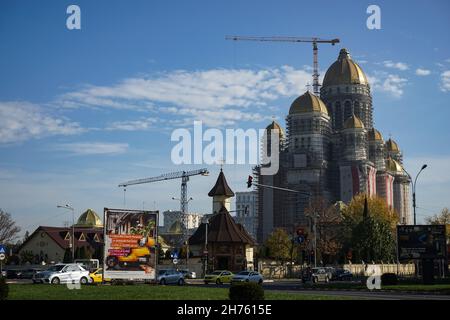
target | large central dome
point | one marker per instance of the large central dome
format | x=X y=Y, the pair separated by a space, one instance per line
x=344 y=71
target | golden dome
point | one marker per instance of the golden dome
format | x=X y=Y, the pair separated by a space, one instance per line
x=176 y=228
x=344 y=71
x=393 y=166
x=275 y=125
x=392 y=146
x=353 y=123
x=308 y=102
x=374 y=135
x=89 y=219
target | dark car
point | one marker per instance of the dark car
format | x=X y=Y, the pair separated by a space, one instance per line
x=13 y=274
x=28 y=273
x=343 y=275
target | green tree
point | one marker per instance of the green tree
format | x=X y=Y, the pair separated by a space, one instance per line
x=26 y=256
x=279 y=245
x=368 y=229
x=67 y=255
x=442 y=218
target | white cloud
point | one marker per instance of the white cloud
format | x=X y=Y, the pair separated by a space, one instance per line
x=391 y=84
x=93 y=148
x=133 y=125
x=20 y=121
x=445 y=81
x=396 y=65
x=422 y=72
x=231 y=94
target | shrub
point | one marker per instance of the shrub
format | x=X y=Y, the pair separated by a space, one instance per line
x=246 y=291
x=4 y=289
x=389 y=279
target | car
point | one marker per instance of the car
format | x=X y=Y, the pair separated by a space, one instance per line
x=62 y=273
x=188 y=274
x=343 y=275
x=28 y=273
x=12 y=274
x=167 y=276
x=247 y=276
x=97 y=276
x=319 y=275
x=330 y=271
x=219 y=277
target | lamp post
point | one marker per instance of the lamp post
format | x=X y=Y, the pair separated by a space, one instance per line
x=185 y=237
x=66 y=206
x=206 y=246
x=414 y=188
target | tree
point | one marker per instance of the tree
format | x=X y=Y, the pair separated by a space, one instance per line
x=26 y=256
x=442 y=218
x=67 y=255
x=328 y=223
x=8 y=228
x=368 y=229
x=279 y=245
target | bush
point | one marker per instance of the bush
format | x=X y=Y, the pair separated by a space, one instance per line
x=388 y=279
x=4 y=289
x=246 y=291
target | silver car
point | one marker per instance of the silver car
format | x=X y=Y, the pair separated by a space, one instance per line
x=62 y=273
x=247 y=276
x=167 y=276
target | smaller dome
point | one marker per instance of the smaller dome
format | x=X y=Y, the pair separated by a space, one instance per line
x=89 y=219
x=392 y=146
x=275 y=125
x=393 y=166
x=374 y=135
x=176 y=227
x=308 y=102
x=353 y=123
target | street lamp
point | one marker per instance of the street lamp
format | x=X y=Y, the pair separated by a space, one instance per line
x=185 y=239
x=66 y=206
x=414 y=188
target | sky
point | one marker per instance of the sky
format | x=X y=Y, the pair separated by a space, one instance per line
x=83 y=110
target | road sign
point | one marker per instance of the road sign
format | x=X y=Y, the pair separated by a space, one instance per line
x=2 y=249
x=2 y=256
x=174 y=255
x=175 y=261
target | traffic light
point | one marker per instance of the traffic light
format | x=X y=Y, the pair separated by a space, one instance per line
x=249 y=181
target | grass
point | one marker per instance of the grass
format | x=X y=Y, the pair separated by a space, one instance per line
x=437 y=288
x=140 y=292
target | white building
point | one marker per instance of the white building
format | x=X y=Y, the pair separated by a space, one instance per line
x=246 y=211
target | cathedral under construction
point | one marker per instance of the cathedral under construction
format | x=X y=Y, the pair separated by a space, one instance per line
x=332 y=150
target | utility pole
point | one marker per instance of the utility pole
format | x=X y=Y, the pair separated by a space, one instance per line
x=414 y=188
x=66 y=206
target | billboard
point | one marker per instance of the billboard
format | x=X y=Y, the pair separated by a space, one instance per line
x=130 y=244
x=421 y=242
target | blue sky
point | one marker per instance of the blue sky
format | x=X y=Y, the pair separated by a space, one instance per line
x=82 y=110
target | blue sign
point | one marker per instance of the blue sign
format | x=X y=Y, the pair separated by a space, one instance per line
x=2 y=249
x=300 y=239
x=174 y=255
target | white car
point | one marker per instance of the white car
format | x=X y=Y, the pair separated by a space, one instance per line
x=247 y=276
x=63 y=273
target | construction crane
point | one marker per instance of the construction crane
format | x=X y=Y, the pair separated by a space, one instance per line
x=184 y=175
x=312 y=40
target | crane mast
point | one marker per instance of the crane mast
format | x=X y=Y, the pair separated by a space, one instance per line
x=313 y=40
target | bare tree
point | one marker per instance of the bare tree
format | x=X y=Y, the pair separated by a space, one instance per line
x=8 y=228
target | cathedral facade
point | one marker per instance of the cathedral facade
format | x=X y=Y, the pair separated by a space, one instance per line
x=332 y=150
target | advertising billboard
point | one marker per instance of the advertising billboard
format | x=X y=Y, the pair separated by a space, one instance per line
x=130 y=244
x=421 y=242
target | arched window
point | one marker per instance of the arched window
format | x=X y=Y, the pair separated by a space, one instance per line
x=347 y=109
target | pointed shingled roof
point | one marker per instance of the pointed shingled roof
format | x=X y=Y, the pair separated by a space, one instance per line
x=222 y=228
x=221 y=187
